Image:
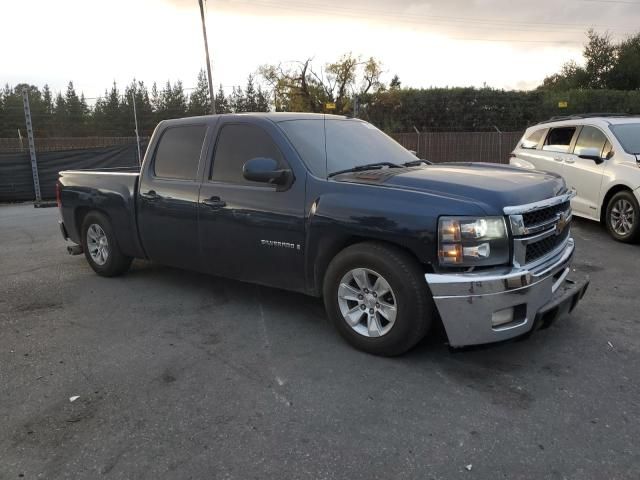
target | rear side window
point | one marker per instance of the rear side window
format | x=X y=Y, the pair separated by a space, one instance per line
x=178 y=152
x=237 y=144
x=559 y=139
x=532 y=140
x=590 y=138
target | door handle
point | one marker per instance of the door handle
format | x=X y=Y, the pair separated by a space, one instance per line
x=558 y=159
x=151 y=196
x=570 y=160
x=214 y=202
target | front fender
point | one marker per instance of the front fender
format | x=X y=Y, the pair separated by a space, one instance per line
x=344 y=213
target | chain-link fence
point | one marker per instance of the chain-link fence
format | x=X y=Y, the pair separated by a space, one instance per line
x=442 y=147
x=55 y=154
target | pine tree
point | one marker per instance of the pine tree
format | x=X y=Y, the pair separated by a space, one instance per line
x=222 y=102
x=47 y=99
x=174 y=101
x=199 y=101
x=60 y=120
x=75 y=112
x=156 y=98
x=237 y=102
x=262 y=101
x=137 y=91
x=250 y=100
x=108 y=113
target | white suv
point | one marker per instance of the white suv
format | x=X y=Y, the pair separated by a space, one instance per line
x=599 y=157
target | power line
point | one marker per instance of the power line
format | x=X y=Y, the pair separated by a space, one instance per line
x=623 y=2
x=421 y=18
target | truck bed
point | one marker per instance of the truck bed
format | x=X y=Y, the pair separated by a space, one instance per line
x=111 y=191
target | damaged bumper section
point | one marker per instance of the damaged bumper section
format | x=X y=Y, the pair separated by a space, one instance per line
x=500 y=304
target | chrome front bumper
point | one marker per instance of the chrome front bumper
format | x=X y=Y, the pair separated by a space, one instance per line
x=468 y=302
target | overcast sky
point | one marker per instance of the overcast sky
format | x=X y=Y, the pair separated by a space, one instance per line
x=505 y=43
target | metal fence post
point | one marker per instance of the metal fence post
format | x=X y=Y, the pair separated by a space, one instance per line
x=32 y=145
x=499 y=143
x=135 y=119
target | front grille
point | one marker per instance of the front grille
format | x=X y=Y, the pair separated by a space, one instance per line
x=539 y=249
x=544 y=214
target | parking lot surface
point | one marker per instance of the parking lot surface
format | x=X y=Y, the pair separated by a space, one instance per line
x=181 y=375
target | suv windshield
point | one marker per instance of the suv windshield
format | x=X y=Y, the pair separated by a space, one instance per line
x=331 y=145
x=628 y=134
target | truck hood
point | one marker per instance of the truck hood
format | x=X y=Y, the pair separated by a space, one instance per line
x=492 y=186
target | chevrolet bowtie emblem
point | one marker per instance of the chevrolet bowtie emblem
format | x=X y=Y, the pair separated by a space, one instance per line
x=563 y=221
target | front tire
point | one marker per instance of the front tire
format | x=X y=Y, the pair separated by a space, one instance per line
x=623 y=217
x=377 y=298
x=101 y=248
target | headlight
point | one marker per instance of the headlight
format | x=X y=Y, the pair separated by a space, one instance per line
x=472 y=242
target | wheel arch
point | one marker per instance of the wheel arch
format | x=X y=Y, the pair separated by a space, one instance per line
x=608 y=196
x=330 y=249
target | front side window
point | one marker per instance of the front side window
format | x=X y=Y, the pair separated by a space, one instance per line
x=532 y=140
x=590 y=138
x=237 y=144
x=628 y=134
x=559 y=139
x=178 y=152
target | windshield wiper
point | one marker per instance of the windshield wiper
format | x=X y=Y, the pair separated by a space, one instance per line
x=368 y=166
x=416 y=163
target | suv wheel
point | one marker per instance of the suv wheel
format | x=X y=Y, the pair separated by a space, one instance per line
x=101 y=248
x=378 y=299
x=623 y=217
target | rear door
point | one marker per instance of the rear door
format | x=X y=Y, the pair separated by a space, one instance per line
x=248 y=230
x=585 y=175
x=168 y=196
x=556 y=148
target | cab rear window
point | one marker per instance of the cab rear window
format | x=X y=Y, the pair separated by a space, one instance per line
x=178 y=152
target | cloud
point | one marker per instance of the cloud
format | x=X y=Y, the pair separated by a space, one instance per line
x=542 y=21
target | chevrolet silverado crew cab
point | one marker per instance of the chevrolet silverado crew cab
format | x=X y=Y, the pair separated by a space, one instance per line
x=331 y=206
x=598 y=155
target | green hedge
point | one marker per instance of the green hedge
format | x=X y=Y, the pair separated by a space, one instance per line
x=471 y=109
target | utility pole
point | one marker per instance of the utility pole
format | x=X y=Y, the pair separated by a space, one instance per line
x=206 y=50
x=135 y=119
x=32 y=146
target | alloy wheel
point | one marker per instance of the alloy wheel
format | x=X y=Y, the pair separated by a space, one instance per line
x=622 y=217
x=367 y=302
x=97 y=244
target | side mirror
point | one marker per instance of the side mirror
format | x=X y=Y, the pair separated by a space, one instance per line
x=413 y=152
x=265 y=170
x=591 y=154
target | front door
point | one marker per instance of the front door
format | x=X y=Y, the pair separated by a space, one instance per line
x=168 y=195
x=585 y=175
x=248 y=230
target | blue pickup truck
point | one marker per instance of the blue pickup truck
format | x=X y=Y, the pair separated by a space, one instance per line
x=332 y=207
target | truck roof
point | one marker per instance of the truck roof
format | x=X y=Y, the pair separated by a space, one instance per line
x=273 y=116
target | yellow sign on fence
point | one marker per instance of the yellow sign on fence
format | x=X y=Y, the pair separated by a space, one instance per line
x=330 y=106
x=563 y=104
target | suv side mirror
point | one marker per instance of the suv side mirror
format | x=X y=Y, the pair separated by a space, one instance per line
x=591 y=154
x=265 y=170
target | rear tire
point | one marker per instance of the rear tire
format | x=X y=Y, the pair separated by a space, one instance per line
x=101 y=247
x=623 y=217
x=390 y=323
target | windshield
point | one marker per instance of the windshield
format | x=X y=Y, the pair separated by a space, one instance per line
x=348 y=143
x=628 y=134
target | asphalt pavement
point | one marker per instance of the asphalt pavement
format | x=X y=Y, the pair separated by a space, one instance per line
x=186 y=376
